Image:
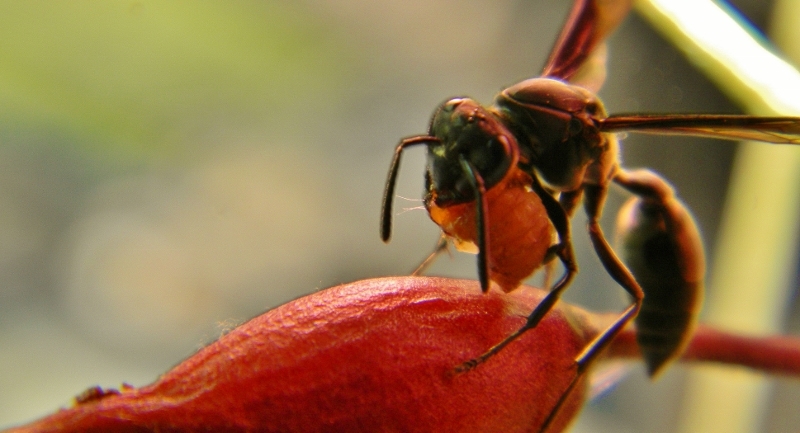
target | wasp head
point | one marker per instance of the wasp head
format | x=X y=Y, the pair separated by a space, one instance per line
x=466 y=131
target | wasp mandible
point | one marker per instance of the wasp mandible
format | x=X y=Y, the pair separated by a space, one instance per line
x=505 y=179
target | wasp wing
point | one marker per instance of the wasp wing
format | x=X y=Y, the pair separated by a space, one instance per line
x=592 y=73
x=588 y=24
x=780 y=130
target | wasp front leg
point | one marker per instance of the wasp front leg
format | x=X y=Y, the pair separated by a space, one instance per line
x=661 y=245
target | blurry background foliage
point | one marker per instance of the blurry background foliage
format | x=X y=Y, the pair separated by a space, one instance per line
x=171 y=168
x=139 y=80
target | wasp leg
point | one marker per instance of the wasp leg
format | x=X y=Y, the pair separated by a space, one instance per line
x=570 y=200
x=594 y=200
x=549 y=266
x=441 y=245
x=563 y=250
x=595 y=197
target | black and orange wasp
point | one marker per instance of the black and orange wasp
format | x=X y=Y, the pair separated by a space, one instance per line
x=505 y=179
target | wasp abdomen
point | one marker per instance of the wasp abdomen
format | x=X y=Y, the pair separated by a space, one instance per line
x=664 y=325
x=661 y=246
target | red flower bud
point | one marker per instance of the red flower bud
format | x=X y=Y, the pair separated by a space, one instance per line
x=371 y=356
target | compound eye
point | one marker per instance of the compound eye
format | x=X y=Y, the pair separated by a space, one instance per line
x=493 y=159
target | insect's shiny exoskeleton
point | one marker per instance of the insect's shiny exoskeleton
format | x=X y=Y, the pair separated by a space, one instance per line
x=542 y=147
x=659 y=242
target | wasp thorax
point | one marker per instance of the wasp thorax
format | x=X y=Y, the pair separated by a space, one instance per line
x=470 y=134
x=555 y=124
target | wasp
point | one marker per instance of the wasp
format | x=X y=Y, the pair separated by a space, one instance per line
x=505 y=179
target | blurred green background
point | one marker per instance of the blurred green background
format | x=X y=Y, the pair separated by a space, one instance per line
x=169 y=169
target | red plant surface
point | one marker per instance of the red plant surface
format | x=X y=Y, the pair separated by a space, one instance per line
x=372 y=356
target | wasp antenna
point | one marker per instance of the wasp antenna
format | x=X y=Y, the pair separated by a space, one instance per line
x=388 y=193
x=481 y=212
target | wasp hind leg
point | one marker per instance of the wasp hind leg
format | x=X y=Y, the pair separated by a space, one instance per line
x=594 y=200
